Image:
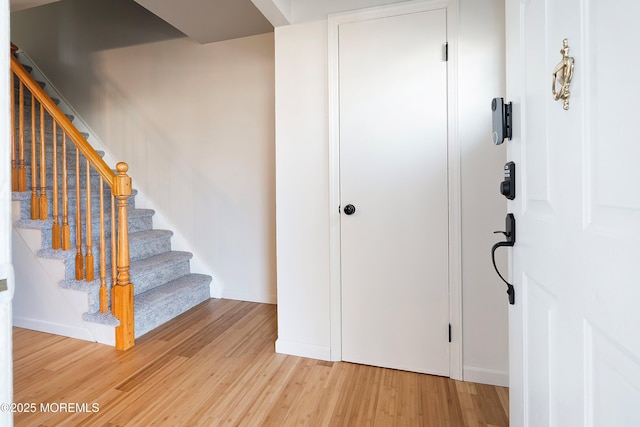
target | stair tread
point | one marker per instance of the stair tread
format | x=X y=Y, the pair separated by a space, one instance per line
x=149 y=235
x=101 y=318
x=20 y=195
x=155 y=260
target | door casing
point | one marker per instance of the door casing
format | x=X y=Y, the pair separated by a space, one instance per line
x=6 y=266
x=453 y=151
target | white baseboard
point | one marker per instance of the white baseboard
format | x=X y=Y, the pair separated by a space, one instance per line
x=486 y=376
x=52 y=328
x=243 y=295
x=303 y=350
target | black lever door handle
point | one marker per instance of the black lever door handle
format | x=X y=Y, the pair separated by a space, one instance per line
x=510 y=234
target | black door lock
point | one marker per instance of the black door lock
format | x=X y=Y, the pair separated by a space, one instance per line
x=508 y=186
x=510 y=234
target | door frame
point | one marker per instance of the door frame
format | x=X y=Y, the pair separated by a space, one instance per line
x=6 y=267
x=453 y=169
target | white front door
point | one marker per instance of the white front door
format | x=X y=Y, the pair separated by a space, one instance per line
x=393 y=171
x=574 y=330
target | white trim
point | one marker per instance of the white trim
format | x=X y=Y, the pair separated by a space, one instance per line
x=334 y=191
x=93 y=332
x=455 y=197
x=55 y=328
x=303 y=350
x=249 y=295
x=486 y=376
x=6 y=267
x=455 y=235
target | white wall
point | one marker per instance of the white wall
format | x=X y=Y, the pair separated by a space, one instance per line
x=302 y=196
x=302 y=182
x=194 y=122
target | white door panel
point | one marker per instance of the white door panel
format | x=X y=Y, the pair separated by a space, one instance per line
x=574 y=346
x=393 y=168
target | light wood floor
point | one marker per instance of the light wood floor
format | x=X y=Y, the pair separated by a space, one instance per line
x=216 y=365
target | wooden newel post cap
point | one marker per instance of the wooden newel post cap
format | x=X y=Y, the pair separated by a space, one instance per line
x=122 y=181
x=122 y=168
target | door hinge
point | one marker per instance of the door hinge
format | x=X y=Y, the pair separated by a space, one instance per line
x=449 y=332
x=446 y=52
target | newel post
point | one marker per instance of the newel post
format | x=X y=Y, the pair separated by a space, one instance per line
x=123 y=290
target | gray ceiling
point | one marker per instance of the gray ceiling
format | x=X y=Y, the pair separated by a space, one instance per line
x=208 y=21
x=27 y=4
x=205 y=21
x=211 y=20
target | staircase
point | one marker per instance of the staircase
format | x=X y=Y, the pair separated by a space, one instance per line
x=163 y=285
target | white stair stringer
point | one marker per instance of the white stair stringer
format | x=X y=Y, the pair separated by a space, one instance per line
x=40 y=303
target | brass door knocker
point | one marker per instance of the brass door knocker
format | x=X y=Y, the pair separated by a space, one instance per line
x=562 y=74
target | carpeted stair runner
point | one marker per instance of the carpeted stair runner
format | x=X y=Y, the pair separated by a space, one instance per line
x=164 y=286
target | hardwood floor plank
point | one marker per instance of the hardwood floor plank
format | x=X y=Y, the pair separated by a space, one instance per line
x=216 y=366
x=492 y=406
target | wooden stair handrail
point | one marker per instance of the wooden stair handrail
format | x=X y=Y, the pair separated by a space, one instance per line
x=63 y=121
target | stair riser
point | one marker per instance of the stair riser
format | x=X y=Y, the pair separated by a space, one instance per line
x=144 y=249
x=25 y=205
x=142 y=281
x=48 y=120
x=149 y=318
x=29 y=69
x=71 y=148
x=71 y=181
x=48 y=134
x=27 y=98
x=137 y=250
x=162 y=274
x=26 y=92
x=135 y=223
x=71 y=163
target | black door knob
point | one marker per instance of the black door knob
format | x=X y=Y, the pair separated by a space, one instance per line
x=349 y=209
